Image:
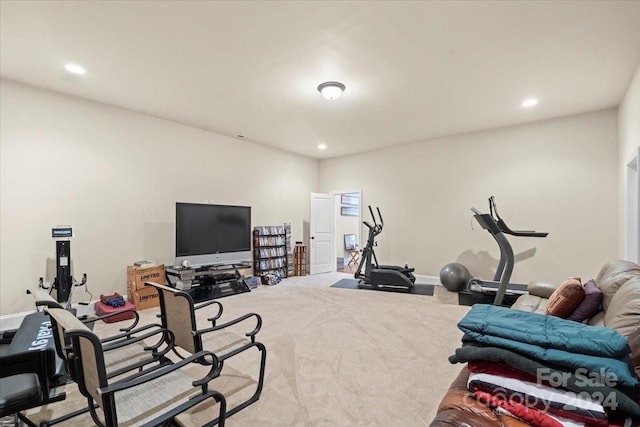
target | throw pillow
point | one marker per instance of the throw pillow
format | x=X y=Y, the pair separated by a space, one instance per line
x=590 y=305
x=565 y=299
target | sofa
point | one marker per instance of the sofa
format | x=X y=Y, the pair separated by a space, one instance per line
x=618 y=308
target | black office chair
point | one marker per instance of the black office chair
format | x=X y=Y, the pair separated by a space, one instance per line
x=25 y=382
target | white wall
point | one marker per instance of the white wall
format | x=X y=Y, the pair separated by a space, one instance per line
x=629 y=141
x=557 y=175
x=115 y=176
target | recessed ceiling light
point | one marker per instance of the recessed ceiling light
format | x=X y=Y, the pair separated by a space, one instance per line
x=322 y=146
x=529 y=102
x=331 y=90
x=75 y=69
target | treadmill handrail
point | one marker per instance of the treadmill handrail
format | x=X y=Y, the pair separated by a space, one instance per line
x=523 y=233
x=493 y=209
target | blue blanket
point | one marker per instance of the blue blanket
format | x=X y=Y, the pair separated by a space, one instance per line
x=552 y=339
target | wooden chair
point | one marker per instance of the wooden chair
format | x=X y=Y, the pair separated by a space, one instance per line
x=151 y=397
x=178 y=314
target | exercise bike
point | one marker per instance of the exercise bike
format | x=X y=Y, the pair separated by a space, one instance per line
x=381 y=277
x=505 y=292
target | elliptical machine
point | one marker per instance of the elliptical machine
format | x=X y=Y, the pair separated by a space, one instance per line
x=381 y=277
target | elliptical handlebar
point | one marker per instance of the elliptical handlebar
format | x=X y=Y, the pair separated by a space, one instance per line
x=373 y=216
x=380 y=216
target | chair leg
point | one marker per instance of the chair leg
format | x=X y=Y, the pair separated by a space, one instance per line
x=256 y=395
x=218 y=397
x=21 y=417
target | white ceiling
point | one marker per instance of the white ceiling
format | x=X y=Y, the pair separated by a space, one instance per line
x=413 y=70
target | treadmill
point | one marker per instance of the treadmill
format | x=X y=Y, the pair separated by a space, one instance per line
x=500 y=285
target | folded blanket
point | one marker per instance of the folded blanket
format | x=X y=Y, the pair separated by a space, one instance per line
x=623 y=398
x=546 y=399
x=489 y=322
x=531 y=416
x=553 y=340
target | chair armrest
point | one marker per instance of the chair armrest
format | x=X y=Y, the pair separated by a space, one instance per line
x=166 y=337
x=136 y=318
x=129 y=333
x=43 y=299
x=208 y=303
x=251 y=334
x=157 y=373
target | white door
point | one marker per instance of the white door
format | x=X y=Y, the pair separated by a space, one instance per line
x=321 y=230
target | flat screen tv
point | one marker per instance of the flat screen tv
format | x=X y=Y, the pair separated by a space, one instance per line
x=212 y=234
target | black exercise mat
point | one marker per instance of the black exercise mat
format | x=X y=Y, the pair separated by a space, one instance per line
x=418 y=288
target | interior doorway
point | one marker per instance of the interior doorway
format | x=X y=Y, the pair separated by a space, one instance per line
x=347 y=231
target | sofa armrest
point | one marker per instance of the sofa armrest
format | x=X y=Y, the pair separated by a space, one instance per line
x=540 y=289
x=459 y=409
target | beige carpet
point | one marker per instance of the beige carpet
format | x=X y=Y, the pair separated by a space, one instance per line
x=336 y=357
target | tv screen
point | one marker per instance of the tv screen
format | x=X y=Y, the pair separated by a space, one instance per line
x=207 y=232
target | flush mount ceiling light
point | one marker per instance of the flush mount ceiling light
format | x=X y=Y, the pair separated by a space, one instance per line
x=322 y=146
x=529 y=102
x=331 y=90
x=75 y=69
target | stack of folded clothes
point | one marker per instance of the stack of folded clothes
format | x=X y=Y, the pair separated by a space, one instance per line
x=548 y=371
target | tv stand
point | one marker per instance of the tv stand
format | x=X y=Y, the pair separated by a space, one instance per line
x=208 y=282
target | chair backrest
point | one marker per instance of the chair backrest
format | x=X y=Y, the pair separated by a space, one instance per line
x=177 y=312
x=85 y=356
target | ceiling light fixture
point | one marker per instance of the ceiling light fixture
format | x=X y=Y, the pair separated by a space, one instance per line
x=529 y=102
x=331 y=90
x=75 y=69
x=322 y=146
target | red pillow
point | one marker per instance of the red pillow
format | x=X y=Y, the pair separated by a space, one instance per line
x=564 y=300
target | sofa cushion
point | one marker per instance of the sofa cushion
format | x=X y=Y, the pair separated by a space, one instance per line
x=597 y=320
x=612 y=276
x=565 y=299
x=623 y=313
x=530 y=303
x=590 y=305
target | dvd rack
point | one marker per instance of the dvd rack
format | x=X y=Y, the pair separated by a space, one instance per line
x=287 y=231
x=270 y=253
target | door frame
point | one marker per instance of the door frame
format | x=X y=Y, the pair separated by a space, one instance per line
x=335 y=218
x=632 y=209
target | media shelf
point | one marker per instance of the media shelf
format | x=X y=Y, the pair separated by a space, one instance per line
x=208 y=282
x=270 y=261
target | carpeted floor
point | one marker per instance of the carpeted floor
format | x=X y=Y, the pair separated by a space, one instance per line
x=335 y=358
x=418 y=288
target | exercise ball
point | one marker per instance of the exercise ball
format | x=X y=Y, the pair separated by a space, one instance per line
x=454 y=276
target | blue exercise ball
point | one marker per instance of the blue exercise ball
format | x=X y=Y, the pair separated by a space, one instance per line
x=454 y=276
